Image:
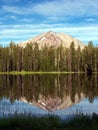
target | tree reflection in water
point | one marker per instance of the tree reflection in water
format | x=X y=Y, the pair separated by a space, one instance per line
x=50 y=92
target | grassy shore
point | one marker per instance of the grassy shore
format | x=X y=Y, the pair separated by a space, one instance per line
x=80 y=122
x=39 y=72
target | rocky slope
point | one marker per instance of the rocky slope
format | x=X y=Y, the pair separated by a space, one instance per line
x=53 y=39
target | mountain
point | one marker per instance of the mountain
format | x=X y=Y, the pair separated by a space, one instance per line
x=53 y=39
x=52 y=104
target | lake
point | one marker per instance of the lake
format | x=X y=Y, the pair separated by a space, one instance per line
x=59 y=94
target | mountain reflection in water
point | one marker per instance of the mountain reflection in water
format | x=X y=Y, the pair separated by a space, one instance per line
x=49 y=92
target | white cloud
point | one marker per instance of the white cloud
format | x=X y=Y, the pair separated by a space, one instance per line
x=54 y=11
x=12 y=9
x=67 y=8
x=16 y=9
x=55 y=19
x=13 y=17
x=90 y=20
x=19 y=33
x=57 y=8
x=25 y=20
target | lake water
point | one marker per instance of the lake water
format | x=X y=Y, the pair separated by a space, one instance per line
x=63 y=95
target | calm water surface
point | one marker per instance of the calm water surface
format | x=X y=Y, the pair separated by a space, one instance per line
x=61 y=95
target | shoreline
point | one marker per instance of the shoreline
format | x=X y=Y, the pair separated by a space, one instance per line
x=38 y=72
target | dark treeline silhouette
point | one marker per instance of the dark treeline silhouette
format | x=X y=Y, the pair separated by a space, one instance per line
x=33 y=58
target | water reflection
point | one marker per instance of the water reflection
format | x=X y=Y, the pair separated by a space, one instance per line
x=49 y=92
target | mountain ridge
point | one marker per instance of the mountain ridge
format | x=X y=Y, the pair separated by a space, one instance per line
x=53 y=104
x=55 y=39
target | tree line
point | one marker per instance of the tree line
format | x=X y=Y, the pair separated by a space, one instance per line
x=33 y=58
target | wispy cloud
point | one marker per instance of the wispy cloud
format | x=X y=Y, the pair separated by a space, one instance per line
x=58 y=8
x=67 y=8
x=19 y=33
x=90 y=20
x=19 y=22
x=12 y=9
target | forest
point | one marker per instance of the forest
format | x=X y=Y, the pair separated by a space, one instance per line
x=47 y=59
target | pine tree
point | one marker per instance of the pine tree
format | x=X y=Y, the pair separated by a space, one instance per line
x=73 y=56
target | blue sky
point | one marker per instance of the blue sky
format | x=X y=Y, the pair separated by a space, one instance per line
x=23 y=19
